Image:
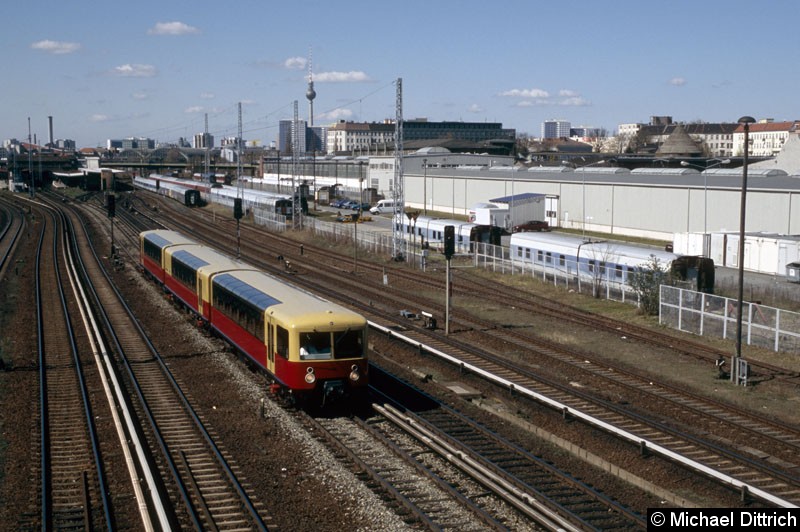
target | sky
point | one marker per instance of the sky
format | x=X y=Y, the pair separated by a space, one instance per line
x=111 y=70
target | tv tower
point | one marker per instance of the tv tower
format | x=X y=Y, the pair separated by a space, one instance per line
x=310 y=93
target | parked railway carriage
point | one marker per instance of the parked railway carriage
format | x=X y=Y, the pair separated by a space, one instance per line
x=613 y=261
x=431 y=230
x=186 y=195
x=312 y=348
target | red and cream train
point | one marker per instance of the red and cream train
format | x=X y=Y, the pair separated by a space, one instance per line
x=312 y=349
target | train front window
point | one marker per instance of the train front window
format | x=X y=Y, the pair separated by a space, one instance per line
x=315 y=346
x=348 y=344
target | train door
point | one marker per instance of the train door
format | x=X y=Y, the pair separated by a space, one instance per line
x=270 y=337
x=199 y=281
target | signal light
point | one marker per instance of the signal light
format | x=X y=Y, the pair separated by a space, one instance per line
x=237 y=208
x=111 y=204
x=449 y=241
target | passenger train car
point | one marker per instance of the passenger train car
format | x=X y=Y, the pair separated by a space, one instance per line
x=273 y=202
x=431 y=231
x=313 y=350
x=187 y=195
x=605 y=260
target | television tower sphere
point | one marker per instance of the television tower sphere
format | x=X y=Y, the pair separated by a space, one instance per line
x=311 y=93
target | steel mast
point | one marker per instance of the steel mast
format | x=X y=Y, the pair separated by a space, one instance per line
x=398 y=192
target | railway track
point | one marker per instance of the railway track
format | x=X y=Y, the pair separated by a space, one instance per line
x=72 y=487
x=356 y=285
x=12 y=222
x=195 y=475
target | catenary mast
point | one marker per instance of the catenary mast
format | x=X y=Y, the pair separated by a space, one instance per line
x=398 y=194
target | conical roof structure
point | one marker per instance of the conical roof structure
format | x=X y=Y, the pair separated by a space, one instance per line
x=679 y=144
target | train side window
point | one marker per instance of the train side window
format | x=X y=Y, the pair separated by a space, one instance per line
x=539 y=255
x=618 y=270
x=562 y=260
x=591 y=266
x=602 y=268
x=548 y=258
x=152 y=251
x=527 y=253
x=282 y=342
x=519 y=252
x=183 y=273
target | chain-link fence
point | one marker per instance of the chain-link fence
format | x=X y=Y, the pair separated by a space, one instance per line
x=710 y=315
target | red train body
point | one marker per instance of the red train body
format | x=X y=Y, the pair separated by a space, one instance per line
x=311 y=348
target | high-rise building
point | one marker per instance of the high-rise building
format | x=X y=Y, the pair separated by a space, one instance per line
x=286 y=136
x=554 y=129
x=203 y=140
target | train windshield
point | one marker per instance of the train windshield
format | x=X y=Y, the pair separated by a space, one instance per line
x=348 y=344
x=315 y=346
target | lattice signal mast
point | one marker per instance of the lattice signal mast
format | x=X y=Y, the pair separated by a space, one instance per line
x=398 y=190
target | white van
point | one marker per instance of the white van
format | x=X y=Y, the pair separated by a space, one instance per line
x=383 y=206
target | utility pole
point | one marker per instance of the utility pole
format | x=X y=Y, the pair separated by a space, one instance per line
x=398 y=193
x=238 y=210
x=295 y=149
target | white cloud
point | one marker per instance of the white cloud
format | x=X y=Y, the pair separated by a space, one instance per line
x=533 y=103
x=341 y=77
x=574 y=102
x=295 y=63
x=677 y=82
x=194 y=109
x=566 y=93
x=475 y=108
x=207 y=95
x=99 y=118
x=139 y=95
x=337 y=114
x=134 y=71
x=56 y=47
x=172 y=28
x=526 y=93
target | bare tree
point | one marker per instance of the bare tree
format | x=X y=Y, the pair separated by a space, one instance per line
x=646 y=281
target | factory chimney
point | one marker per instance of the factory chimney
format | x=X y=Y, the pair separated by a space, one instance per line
x=50 y=129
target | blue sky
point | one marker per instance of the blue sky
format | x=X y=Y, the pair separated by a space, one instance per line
x=154 y=69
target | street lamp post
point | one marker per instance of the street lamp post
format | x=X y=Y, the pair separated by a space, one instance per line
x=358 y=216
x=425 y=186
x=583 y=189
x=745 y=121
x=705 y=186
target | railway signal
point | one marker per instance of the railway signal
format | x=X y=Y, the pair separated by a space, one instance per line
x=449 y=251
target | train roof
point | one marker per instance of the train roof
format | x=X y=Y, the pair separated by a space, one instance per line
x=207 y=261
x=605 y=250
x=294 y=307
x=165 y=238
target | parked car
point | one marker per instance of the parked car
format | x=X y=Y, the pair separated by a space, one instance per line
x=360 y=206
x=532 y=225
x=338 y=202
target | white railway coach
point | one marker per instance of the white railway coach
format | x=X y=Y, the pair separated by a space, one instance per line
x=431 y=231
x=605 y=260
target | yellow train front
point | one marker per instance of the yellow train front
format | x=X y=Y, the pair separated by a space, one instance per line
x=313 y=350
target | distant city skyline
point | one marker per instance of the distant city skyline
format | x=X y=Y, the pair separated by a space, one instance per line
x=109 y=72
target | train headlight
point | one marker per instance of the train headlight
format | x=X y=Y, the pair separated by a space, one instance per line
x=355 y=375
x=310 y=377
